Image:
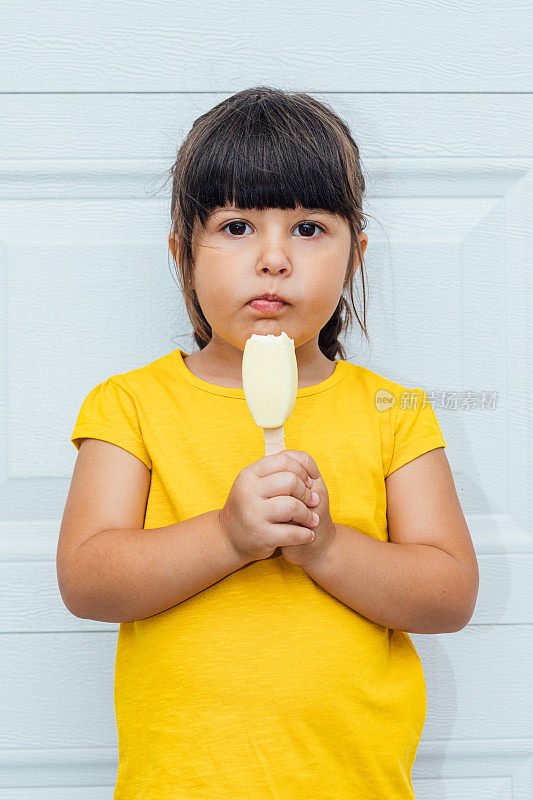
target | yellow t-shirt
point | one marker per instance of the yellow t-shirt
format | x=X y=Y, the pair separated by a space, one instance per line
x=263 y=686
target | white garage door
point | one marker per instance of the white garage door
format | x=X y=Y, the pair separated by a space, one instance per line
x=96 y=98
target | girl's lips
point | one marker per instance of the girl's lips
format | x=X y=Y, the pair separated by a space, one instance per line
x=267 y=305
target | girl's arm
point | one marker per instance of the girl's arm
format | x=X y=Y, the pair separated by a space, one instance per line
x=426 y=578
x=112 y=569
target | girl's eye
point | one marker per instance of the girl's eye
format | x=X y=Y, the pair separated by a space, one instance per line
x=238 y=228
x=310 y=225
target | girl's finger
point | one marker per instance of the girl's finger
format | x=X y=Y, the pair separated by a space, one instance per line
x=286 y=484
x=279 y=462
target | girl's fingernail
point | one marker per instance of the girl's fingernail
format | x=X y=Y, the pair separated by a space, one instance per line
x=314 y=497
x=309 y=481
x=315 y=517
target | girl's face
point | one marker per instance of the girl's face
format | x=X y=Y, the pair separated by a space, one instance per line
x=299 y=254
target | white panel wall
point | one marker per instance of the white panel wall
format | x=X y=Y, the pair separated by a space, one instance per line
x=96 y=98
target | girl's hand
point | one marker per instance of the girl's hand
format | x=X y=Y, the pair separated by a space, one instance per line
x=269 y=505
x=303 y=554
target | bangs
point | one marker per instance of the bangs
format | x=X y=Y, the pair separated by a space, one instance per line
x=259 y=158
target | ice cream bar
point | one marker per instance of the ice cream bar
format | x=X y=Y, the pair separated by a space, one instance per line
x=270 y=383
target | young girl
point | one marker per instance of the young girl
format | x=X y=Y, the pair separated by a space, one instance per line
x=263 y=653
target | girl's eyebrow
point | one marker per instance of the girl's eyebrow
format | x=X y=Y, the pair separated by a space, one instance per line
x=308 y=210
x=320 y=211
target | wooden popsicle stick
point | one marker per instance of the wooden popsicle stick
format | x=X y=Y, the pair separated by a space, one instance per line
x=274 y=443
x=274 y=440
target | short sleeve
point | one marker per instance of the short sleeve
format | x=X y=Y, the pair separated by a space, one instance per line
x=109 y=412
x=416 y=428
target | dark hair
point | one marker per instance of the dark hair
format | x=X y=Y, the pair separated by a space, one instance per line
x=268 y=148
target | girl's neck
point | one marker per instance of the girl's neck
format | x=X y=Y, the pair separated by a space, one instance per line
x=222 y=365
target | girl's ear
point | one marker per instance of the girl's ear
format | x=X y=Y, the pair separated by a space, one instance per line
x=173 y=245
x=363 y=239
